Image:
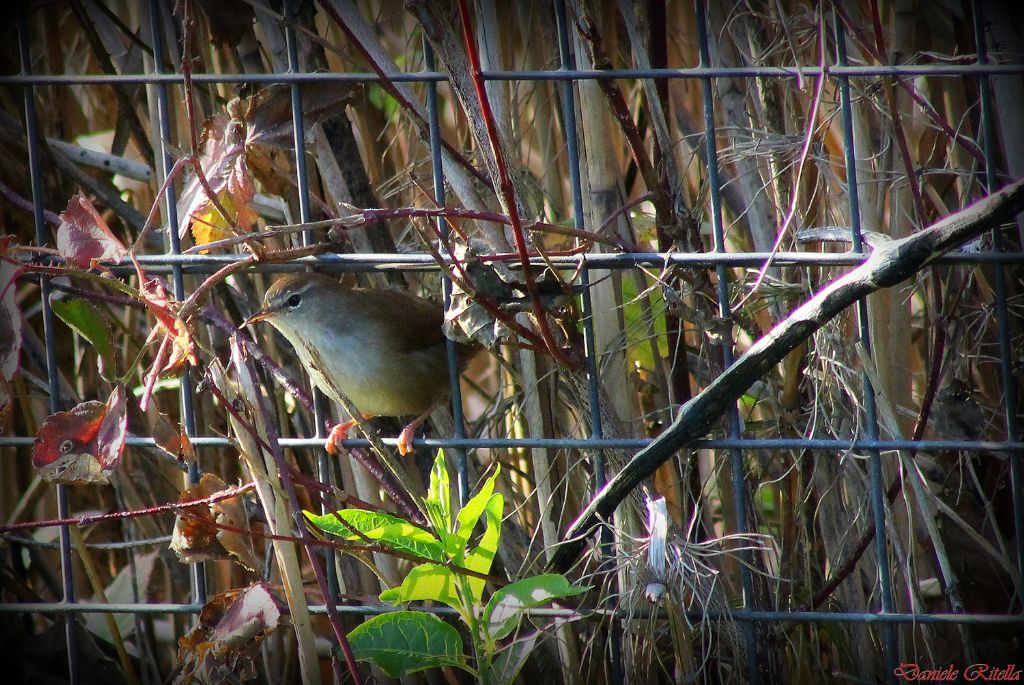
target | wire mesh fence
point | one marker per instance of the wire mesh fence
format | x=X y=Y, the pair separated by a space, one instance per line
x=752 y=158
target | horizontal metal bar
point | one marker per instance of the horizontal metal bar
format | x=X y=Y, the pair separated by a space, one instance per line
x=96 y=608
x=809 y=71
x=421 y=261
x=826 y=444
x=736 y=615
x=375 y=610
x=130 y=544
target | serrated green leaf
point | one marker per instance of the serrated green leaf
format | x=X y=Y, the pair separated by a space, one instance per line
x=505 y=609
x=426 y=582
x=86 y=320
x=406 y=642
x=373 y=525
x=511 y=659
x=438 y=501
x=474 y=508
x=636 y=326
x=481 y=558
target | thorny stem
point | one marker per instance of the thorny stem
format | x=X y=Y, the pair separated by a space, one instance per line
x=465 y=283
x=151 y=219
x=154 y=371
x=91 y=519
x=186 y=73
x=865 y=44
x=507 y=191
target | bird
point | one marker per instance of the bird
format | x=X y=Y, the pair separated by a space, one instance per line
x=382 y=348
x=956 y=414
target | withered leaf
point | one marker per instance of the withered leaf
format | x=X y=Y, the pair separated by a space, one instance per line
x=224 y=646
x=216 y=531
x=83 y=237
x=222 y=159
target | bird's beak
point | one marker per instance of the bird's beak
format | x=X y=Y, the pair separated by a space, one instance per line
x=261 y=315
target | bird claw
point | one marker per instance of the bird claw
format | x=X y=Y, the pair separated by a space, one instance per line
x=405 y=439
x=338 y=433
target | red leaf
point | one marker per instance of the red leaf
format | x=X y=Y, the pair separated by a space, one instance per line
x=83 y=445
x=162 y=307
x=83 y=237
x=10 y=323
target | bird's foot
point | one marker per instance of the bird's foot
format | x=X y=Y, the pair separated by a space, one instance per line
x=405 y=439
x=338 y=433
x=409 y=432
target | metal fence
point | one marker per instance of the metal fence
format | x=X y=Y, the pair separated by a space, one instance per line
x=177 y=264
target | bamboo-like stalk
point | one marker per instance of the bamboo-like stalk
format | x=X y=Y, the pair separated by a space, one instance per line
x=263 y=471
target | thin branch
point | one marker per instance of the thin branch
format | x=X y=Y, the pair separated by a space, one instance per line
x=90 y=519
x=889 y=264
x=507 y=190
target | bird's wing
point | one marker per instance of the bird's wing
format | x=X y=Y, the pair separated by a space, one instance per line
x=415 y=324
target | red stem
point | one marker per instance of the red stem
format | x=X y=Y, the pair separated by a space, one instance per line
x=901 y=137
x=865 y=44
x=308 y=541
x=466 y=284
x=151 y=218
x=186 y=73
x=507 y=191
x=90 y=519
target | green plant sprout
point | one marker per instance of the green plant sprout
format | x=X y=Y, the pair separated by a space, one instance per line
x=404 y=642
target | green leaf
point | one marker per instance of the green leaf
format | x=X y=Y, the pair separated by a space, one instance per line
x=511 y=659
x=506 y=607
x=470 y=513
x=382 y=100
x=438 y=501
x=391 y=530
x=85 y=319
x=406 y=642
x=481 y=558
x=637 y=326
x=426 y=581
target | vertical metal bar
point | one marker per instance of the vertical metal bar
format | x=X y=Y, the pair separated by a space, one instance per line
x=1002 y=313
x=437 y=167
x=67 y=576
x=735 y=455
x=568 y=61
x=174 y=243
x=889 y=645
x=305 y=215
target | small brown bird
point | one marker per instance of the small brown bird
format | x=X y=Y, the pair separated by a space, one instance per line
x=384 y=349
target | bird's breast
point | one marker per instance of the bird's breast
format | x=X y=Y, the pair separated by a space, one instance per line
x=379 y=380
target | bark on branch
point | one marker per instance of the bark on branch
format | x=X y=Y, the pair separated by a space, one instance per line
x=889 y=264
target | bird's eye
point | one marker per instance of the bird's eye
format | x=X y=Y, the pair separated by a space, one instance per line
x=295 y=300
